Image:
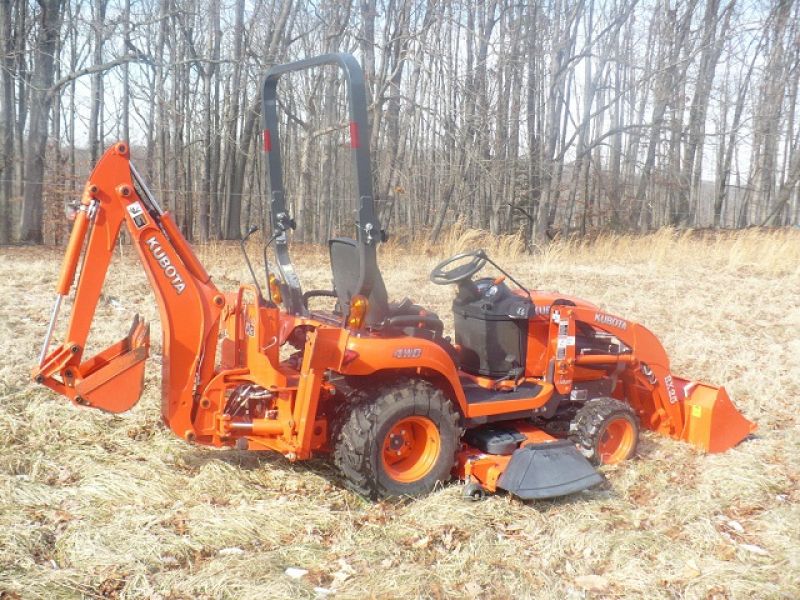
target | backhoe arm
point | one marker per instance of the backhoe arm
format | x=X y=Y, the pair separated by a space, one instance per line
x=189 y=303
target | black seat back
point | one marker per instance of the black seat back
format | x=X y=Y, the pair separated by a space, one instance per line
x=346 y=269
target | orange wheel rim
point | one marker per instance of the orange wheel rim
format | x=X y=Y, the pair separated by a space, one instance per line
x=616 y=441
x=411 y=448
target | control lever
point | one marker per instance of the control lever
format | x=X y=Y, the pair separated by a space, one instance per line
x=272 y=238
x=250 y=232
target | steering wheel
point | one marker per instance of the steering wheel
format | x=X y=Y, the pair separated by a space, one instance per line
x=461 y=272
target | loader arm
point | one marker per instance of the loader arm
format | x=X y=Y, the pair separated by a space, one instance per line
x=696 y=412
x=189 y=303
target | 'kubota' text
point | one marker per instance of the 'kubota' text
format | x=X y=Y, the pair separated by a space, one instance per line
x=609 y=320
x=166 y=265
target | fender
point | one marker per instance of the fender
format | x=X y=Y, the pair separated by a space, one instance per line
x=378 y=354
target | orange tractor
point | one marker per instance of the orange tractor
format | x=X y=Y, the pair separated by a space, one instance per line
x=535 y=389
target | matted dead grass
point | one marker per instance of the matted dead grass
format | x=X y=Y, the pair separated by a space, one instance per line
x=94 y=505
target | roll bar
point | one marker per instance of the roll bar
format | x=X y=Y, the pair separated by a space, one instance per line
x=368 y=230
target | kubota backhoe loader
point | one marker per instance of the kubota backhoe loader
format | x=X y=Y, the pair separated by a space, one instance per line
x=535 y=387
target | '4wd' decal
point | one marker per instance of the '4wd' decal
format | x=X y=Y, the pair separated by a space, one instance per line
x=407 y=353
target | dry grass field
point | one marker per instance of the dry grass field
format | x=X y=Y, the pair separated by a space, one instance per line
x=93 y=505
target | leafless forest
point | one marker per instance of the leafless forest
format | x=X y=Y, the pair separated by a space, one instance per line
x=551 y=117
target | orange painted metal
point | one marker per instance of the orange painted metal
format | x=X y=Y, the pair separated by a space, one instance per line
x=297 y=393
x=604 y=359
x=616 y=441
x=73 y=253
x=411 y=448
x=113 y=380
x=472 y=464
x=662 y=400
x=188 y=314
x=711 y=421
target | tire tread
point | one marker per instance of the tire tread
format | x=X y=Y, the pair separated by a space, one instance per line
x=589 y=420
x=356 y=424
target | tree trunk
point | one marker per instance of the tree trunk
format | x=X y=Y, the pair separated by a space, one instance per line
x=30 y=229
x=96 y=110
x=6 y=121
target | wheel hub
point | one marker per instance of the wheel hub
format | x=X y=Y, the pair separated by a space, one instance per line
x=397 y=442
x=615 y=441
x=411 y=448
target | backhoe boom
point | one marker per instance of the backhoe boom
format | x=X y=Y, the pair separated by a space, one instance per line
x=189 y=303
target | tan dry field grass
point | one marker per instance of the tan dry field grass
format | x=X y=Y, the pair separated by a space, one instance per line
x=93 y=505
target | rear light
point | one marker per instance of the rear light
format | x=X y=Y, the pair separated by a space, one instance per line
x=275 y=289
x=349 y=356
x=358 y=310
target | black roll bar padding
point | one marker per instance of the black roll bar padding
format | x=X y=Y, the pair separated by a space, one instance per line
x=317 y=294
x=368 y=227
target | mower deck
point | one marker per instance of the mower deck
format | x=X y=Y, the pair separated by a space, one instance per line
x=529 y=463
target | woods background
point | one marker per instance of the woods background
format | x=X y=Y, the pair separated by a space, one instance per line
x=548 y=117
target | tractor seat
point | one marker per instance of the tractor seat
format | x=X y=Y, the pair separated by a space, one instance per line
x=345 y=266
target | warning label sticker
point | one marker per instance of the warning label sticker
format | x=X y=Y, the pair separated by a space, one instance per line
x=136 y=212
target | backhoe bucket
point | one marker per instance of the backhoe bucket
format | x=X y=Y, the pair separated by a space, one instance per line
x=113 y=380
x=711 y=421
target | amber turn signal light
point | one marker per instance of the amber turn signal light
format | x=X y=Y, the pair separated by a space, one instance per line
x=358 y=310
x=275 y=289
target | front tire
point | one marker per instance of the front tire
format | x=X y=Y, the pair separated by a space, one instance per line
x=400 y=440
x=606 y=431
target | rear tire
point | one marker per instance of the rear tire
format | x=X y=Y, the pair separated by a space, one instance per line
x=606 y=431
x=400 y=440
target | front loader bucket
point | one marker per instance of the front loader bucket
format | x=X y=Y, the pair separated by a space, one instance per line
x=113 y=380
x=711 y=421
